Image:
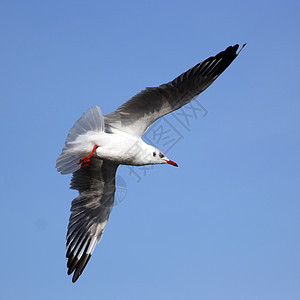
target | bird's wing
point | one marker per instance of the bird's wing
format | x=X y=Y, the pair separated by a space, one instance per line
x=137 y=114
x=89 y=212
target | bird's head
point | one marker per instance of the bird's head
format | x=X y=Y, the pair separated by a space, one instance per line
x=157 y=157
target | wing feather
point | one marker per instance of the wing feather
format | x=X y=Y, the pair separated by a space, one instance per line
x=137 y=114
x=89 y=212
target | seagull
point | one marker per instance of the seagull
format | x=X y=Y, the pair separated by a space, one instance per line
x=96 y=145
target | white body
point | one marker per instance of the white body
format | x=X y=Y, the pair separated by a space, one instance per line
x=123 y=148
x=116 y=146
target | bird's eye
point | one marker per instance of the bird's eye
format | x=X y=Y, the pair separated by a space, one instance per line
x=161 y=155
x=154 y=153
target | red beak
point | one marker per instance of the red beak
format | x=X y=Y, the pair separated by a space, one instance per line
x=170 y=162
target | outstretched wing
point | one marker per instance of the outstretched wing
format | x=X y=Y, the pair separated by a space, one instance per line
x=89 y=212
x=137 y=114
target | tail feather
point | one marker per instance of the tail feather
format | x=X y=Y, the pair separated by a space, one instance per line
x=77 y=140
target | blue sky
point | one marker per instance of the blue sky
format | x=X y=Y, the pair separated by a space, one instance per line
x=225 y=224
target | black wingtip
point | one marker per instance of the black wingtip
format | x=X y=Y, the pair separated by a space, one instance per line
x=80 y=267
x=235 y=47
x=241 y=48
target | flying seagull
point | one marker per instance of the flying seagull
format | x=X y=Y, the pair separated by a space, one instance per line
x=97 y=145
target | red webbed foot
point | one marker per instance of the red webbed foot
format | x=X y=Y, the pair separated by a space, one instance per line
x=85 y=161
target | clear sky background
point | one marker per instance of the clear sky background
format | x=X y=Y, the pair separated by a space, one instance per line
x=225 y=224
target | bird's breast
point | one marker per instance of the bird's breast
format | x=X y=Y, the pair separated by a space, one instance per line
x=122 y=149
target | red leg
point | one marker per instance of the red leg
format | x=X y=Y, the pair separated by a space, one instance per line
x=86 y=160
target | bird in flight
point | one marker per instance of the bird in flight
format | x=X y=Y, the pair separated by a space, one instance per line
x=96 y=145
